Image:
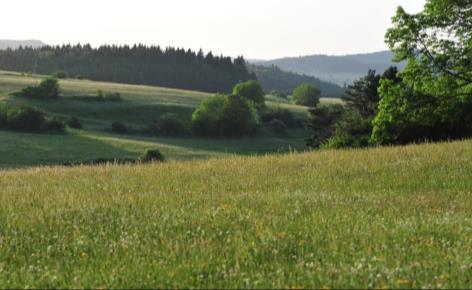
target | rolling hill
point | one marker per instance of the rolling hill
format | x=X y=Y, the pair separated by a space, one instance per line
x=140 y=106
x=337 y=69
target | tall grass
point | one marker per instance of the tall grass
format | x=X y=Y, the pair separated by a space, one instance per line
x=384 y=217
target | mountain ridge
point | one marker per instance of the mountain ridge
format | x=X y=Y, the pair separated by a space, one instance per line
x=339 y=69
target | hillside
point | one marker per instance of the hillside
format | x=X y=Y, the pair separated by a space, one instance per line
x=140 y=106
x=273 y=78
x=138 y=64
x=14 y=44
x=379 y=218
x=337 y=69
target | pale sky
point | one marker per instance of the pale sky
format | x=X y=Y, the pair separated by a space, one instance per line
x=261 y=29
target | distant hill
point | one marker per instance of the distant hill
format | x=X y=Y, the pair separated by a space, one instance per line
x=337 y=69
x=273 y=78
x=5 y=43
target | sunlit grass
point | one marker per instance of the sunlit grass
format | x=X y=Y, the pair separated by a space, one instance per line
x=383 y=217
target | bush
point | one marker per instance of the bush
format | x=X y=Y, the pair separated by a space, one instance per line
x=119 y=128
x=60 y=75
x=252 y=91
x=27 y=119
x=170 y=125
x=322 y=123
x=239 y=117
x=277 y=126
x=54 y=124
x=353 y=130
x=207 y=118
x=74 y=123
x=152 y=155
x=283 y=115
x=229 y=116
x=306 y=95
x=47 y=89
x=79 y=77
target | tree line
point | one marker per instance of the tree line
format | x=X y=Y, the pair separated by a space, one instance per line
x=138 y=64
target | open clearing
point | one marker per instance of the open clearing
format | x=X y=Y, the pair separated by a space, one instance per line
x=394 y=217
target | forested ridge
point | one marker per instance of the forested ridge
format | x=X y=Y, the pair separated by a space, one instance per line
x=273 y=78
x=138 y=64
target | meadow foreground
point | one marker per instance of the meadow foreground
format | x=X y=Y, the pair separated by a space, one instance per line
x=394 y=217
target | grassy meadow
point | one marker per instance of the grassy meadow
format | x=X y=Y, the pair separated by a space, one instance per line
x=394 y=217
x=140 y=106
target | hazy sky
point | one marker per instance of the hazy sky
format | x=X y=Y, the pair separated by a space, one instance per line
x=254 y=28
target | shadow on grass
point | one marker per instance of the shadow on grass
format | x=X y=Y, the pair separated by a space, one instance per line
x=32 y=149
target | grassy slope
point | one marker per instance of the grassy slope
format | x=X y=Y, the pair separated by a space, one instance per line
x=383 y=217
x=141 y=105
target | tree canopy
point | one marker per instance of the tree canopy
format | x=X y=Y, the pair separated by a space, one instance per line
x=306 y=95
x=433 y=100
x=252 y=91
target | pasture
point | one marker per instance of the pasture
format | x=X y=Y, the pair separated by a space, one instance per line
x=139 y=107
x=393 y=217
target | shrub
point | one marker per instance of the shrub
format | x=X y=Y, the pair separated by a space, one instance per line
x=207 y=118
x=152 y=155
x=60 y=75
x=79 y=77
x=277 y=126
x=47 y=89
x=283 y=115
x=353 y=130
x=322 y=123
x=252 y=91
x=74 y=123
x=54 y=124
x=306 y=95
x=170 y=125
x=119 y=128
x=26 y=119
x=229 y=116
x=239 y=117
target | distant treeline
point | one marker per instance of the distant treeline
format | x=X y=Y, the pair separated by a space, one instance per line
x=139 y=64
x=272 y=78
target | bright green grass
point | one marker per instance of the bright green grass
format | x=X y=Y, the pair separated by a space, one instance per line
x=383 y=217
x=141 y=105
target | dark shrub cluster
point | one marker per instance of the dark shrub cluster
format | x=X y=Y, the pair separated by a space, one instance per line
x=169 y=125
x=277 y=126
x=60 y=75
x=281 y=114
x=46 y=89
x=74 y=123
x=28 y=119
x=152 y=155
x=119 y=128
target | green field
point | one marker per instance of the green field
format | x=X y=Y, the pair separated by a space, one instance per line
x=141 y=105
x=394 y=217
